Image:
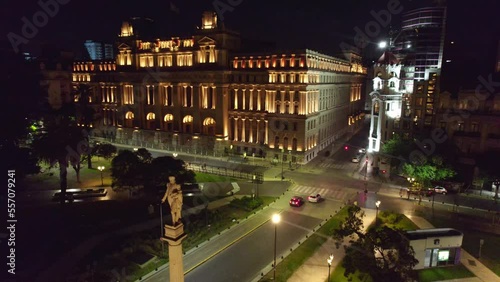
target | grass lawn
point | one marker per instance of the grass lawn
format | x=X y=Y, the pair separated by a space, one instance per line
x=206 y=177
x=395 y=221
x=338 y=276
x=443 y=273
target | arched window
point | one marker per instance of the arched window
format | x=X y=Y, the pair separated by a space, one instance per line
x=276 y=142
x=169 y=122
x=150 y=121
x=376 y=107
x=187 y=124
x=391 y=84
x=129 y=119
x=285 y=143
x=294 y=144
x=209 y=126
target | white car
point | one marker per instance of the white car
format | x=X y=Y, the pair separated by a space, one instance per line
x=440 y=190
x=314 y=198
x=356 y=159
x=362 y=151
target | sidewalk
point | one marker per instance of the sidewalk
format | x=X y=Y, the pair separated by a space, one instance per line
x=316 y=268
x=471 y=263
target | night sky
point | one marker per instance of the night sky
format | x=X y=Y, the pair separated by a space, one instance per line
x=316 y=24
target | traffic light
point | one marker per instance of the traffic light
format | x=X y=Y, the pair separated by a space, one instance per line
x=346 y=147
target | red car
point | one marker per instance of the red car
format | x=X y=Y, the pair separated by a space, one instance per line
x=296 y=201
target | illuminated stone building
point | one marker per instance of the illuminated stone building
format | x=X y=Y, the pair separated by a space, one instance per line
x=203 y=93
x=471 y=119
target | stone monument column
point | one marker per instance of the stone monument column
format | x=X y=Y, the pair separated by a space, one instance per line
x=174 y=234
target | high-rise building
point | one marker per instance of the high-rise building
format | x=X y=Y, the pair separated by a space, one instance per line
x=98 y=51
x=421 y=40
x=203 y=94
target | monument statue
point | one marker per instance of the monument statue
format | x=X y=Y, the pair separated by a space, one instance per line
x=174 y=196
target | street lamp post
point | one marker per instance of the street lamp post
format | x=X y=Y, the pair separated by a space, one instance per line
x=161 y=229
x=481 y=242
x=253 y=186
x=276 y=219
x=377 y=205
x=366 y=167
x=282 y=154
x=101 y=168
x=329 y=260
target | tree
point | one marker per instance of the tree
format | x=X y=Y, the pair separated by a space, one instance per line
x=85 y=113
x=144 y=155
x=426 y=170
x=127 y=171
x=106 y=150
x=161 y=168
x=381 y=252
x=60 y=141
x=22 y=159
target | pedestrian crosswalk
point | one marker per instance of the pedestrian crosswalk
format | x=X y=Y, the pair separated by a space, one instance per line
x=335 y=164
x=325 y=192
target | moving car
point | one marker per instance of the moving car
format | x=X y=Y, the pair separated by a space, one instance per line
x=296 y=201
x=362 y=151
x=440 y=190
x=356 y=158
x=314 y=198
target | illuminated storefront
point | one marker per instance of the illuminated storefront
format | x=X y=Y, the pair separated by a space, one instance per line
x=436 y=247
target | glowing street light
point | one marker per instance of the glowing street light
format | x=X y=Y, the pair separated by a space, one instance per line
x=101 y=168
x=382 y=44
x=275 y=219
x=175 y=155
x=329 y=260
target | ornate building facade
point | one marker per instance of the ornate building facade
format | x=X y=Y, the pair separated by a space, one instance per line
x=202 y=93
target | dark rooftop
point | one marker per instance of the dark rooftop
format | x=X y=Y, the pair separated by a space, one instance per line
x=433 y=232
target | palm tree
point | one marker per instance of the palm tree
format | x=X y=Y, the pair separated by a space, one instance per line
x=58 y=142
x=85 y=114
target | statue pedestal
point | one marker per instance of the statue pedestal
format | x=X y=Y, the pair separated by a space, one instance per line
x=174 y=236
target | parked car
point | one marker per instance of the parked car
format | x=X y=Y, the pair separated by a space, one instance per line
x=296 y=201
x=362 y=151
x=314 y=198
x=440 y=190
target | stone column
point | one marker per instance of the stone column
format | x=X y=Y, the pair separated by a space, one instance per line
x=267 y=132
x=250 y=138
x=235 y=129
x=243 y=137
x=174 y=236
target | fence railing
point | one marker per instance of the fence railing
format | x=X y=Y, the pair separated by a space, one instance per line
x=256 y=177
